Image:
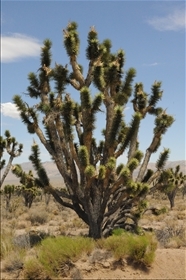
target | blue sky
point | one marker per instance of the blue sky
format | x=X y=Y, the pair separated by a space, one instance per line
x=152 y=34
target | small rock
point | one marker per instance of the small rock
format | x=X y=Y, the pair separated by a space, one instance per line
x=88 y=268
x=106 y=265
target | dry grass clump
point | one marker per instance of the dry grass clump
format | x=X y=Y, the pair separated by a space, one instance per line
x=7 y=245
x=37 y=217
x=14 y=261
x=34 y=270
x=22 y=225
x=172 y=235
x=78 y=223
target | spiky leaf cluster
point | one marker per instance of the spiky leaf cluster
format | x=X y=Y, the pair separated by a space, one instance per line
x=90 y=171
x=156 y=94
x=85 y=98
x=34 y=88
x=125 y=89
x=125 y=173
x=99 y=80
x=35 y=159
x=116 y=125
x=111 y=163
x=93 y=49
x=102 y=172
x=60 y=76
x=46 y=53
x=160 y=164
x=163 y=122
x=138 y=155
x=133 y=164
x=67 y=113
x=71 y=39
x=83 y=156
x=147 y=176
x=134 y=125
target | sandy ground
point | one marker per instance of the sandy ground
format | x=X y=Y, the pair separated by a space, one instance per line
x=168 y=264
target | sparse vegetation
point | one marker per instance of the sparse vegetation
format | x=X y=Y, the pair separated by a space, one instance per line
x=37 y=217
x=19 y=235
x=14 y=261
x=172 y=233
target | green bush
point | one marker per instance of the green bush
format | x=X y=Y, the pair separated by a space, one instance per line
x=54 y=252
x=118 y=231
x=139 y=249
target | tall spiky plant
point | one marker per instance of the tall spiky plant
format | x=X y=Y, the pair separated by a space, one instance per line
x=103 y=193
x=13 y=148
x=169 y=182
x=29 y=187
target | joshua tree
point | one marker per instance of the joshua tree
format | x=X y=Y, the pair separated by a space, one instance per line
x=29 y=185
x=8 y=191
x=14 y=149
x=170 y=182
x=102 y=192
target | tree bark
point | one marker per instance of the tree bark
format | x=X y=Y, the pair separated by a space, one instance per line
x=95 y=230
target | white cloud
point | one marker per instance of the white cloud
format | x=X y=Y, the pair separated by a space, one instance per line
x=151 y=64
x=16 y=46
x=173 y=21
x=9 y=110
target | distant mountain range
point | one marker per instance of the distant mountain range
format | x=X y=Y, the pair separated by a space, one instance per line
x=57 y=180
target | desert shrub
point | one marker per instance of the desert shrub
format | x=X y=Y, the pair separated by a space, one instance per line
x=78 y=223
x=21 y=225
x=170 y=231
x=138 y=249
x=14 y=261
x=34 y=270
x=37 y=217
x=55 y=253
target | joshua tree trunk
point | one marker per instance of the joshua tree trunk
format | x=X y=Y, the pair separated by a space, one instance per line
x=95 y=230
x=171 y=197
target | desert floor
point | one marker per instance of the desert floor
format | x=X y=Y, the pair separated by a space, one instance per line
x=170 y=229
